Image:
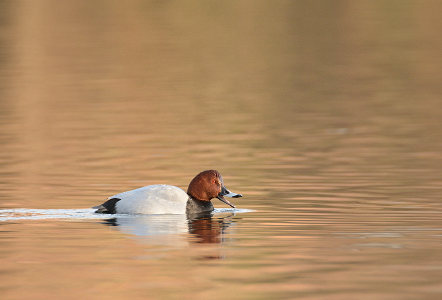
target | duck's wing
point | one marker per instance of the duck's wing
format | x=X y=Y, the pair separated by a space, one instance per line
x=109 y=207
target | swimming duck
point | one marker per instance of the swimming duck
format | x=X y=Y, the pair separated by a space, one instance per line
x=168 y=199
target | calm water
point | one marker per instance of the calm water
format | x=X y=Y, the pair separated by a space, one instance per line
x=325 y=115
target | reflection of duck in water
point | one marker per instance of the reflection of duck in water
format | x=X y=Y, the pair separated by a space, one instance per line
x=169 y=229
x=210 y=228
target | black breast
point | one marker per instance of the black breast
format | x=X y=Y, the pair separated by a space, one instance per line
x=198 y=206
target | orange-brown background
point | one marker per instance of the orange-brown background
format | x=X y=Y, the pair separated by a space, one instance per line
x=326 y=115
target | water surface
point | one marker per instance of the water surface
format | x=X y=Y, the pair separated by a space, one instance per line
x=325 y=116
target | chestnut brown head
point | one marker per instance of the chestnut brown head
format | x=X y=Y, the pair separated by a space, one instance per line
x=208 y=185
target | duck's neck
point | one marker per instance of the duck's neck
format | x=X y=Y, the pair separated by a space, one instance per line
x=197 y=206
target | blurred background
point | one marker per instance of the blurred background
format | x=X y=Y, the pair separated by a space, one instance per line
x=326 y=115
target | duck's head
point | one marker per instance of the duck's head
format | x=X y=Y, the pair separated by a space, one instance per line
x=208 y=185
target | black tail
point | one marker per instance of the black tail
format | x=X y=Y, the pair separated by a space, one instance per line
x=107 y=207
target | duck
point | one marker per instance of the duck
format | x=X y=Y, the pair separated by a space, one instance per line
x=168 y=199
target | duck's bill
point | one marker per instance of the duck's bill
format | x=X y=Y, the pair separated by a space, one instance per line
x=233 y=195
x=225 y=192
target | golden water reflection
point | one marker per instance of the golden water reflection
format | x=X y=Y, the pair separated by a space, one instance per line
x=325 y=115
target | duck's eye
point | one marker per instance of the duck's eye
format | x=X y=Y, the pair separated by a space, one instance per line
x=215 y=182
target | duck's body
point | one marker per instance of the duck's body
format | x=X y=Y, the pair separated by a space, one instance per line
x=168 y=199
x=158 y=199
